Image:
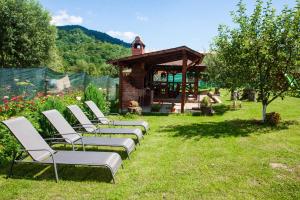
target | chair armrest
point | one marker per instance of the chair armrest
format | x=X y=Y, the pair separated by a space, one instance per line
x=81 y=127
x=64 y=139
x=95 y=120
x=104 y=118
x=28 y=150
x=60 y=134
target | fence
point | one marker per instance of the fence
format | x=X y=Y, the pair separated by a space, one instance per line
x=30 y=81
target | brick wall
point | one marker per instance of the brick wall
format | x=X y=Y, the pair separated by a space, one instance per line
x=130 y=93
x=133 y=85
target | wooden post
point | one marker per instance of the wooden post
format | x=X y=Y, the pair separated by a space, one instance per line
x=120 y=88
x=183 y=87
x=167 y=89
x=173 y=82
x=196 y=78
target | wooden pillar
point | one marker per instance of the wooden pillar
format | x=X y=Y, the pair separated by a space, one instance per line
x=167 y=89
x=173 y=82
x=196 y=78
x=120 y=88
x=183 y=87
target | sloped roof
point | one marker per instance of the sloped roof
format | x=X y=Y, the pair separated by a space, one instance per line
x=160 y=57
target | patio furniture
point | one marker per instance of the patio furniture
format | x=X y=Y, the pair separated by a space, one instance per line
x=91 y=128
x=42 y=153
x=67 y=132
x=104 y=120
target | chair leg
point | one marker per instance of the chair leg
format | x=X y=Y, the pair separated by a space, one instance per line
x=128 y=155
x=139 y=142
x=10 y=172
x=55 y=172
x=113 y=178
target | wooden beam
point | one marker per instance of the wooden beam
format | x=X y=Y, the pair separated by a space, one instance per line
x=120 y=87
x=196 y=85
x=195 y=62
x=183 y=86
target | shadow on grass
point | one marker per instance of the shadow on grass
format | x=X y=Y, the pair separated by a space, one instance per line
x=155 y=114
x=33 y=171
x=221 y=109
x=70 y=173
x=228 y=128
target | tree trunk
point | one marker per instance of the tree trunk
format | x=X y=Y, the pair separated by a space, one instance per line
x=264 y=111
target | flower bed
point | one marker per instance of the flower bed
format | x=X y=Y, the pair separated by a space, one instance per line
x=31 y=109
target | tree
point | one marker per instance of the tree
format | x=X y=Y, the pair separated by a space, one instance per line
x=26 y=36
x=83 y=53
x=260 y=50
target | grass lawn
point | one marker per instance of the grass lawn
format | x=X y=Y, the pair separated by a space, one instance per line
x=226 y=156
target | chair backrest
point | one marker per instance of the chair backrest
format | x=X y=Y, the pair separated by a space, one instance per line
x=97 y=112
x=82 y=118
x=28 y=136
x=61 y=125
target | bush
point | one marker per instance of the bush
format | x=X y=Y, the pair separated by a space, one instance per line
x=16 y=106
x=205 y=102
x=46 y=129
x=114 y=106
x=96 y=95
x=155 y=107
x=8 y=143
x=273 y=118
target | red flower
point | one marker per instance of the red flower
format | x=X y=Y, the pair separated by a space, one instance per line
x=14 y=98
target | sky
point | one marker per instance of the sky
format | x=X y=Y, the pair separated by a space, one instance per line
x=161 y=24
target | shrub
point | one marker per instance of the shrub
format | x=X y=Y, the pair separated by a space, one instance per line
x=114 y=106
x=92 y=93
x=8 y=143
x=46 y=129
x=31 y=109
x=205 y=102
x=155 y=107
x=273 y=118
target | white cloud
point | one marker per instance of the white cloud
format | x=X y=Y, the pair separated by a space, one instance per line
x=142 y=18
x=127 y=36
x=63 y=18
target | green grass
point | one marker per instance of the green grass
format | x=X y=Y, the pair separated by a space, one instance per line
x=226 y=156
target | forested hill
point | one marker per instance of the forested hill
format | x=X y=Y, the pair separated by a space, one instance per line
x=95 y=34
x=80 y=52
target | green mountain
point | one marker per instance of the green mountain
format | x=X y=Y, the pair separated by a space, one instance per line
x=95 y=34
x=82 y=51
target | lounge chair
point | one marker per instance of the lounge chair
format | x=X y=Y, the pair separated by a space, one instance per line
x=42 y=153
x=67 y=132
x=103 y=120
x=91 y=128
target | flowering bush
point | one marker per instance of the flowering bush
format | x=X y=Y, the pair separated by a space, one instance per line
x=31 y=109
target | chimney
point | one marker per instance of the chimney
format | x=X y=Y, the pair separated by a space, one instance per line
x=137 y=46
